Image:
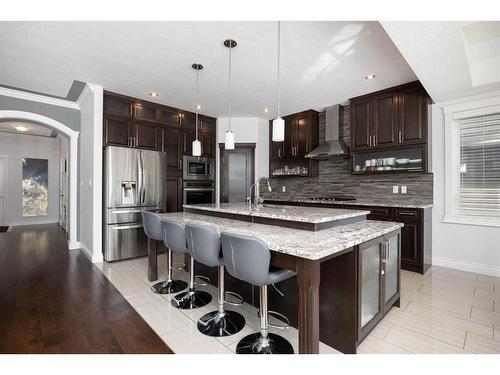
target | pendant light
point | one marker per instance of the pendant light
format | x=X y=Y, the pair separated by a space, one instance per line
x=196 y=143
x=229 y=137
x=278 y=123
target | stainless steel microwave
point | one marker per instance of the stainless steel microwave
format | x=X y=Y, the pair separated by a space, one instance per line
x=198 y=168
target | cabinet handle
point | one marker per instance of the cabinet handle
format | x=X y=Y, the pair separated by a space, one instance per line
x=407 y=213
x=179 y=164
x=400 y=136
x=374 y=139
x=279 y=153
x=369 y=141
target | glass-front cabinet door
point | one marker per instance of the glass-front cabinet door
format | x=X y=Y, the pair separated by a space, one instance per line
x=370 y=284
x=392 y=259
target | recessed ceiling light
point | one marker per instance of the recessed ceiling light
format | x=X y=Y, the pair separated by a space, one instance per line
x=198 y=106
x=266 y=110
x=370 y=76
x=21 y=128
x=153 y=94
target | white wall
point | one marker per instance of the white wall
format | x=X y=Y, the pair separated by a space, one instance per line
x=90 y=184
x=467 y=247
x=246 y=130
x=16 y=147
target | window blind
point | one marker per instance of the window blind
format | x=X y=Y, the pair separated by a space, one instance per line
x=479 y=170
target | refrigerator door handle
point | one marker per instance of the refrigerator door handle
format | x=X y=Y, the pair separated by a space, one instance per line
x=140 y=178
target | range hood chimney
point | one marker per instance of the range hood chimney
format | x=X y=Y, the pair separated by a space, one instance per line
x=332 y=145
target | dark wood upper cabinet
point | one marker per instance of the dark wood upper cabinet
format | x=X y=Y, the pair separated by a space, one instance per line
x=170 y=118
x=412 y=115
x=117 y=131
x=117 y=106
x=385 y=120
x=288 y=144
x=148 y=136
x=188 y=137
x=389 y=118
x=188 y=121
x=207 y=124
x=207 y=144
x=361 y=123
x=145 y=112
x=301 y=137
x=173 y=147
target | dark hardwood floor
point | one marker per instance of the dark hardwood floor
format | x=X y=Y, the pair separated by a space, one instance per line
x=55 y=301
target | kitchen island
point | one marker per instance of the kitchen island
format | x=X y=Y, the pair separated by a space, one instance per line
x=347 y=275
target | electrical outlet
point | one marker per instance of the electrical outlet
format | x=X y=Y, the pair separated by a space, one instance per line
x=395 y=189
x=403 y=189
x=283 y=189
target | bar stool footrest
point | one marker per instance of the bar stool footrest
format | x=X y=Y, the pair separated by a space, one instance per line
x=235 y=295
x=205 y=280
x=277 y=315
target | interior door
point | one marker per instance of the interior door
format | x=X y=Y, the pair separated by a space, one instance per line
x=63 y=176
x=3 y=187
x=237 y=173
x=152 y=179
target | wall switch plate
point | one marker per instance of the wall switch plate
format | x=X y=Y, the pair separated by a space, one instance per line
x=283 y=189
x=395 y=189
x=403 y=189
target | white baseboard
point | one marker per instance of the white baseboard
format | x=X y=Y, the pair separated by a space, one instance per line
x=74 y=245
x=94 y=258
x=466 y=266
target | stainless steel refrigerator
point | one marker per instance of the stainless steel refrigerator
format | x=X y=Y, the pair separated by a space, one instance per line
x=133 y=181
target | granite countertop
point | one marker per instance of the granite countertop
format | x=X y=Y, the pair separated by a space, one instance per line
x=300 y=243
x=313 y=215
x=358 y=202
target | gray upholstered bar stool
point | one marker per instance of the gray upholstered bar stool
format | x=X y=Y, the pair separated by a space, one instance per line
x=249 y=259
x=205 y=247
x=152 y=227
x=175 y=239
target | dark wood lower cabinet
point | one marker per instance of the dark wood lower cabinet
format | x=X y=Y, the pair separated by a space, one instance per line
x=416 y=235
x=174 y=194
x=341 y=291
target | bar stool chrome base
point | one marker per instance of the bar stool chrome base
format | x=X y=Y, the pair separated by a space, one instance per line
x=257 y=344
x=218 y=324
x=169 y=286
x=192 y=299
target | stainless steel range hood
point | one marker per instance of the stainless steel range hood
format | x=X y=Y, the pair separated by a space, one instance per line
x=332 y=146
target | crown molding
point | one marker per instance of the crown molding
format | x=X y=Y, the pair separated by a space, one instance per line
x=38 y=98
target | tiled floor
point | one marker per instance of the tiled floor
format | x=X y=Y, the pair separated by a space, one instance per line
x=443 y=311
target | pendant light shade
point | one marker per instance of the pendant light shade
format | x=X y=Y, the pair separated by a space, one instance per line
x=278 y=130
x=196 y=148
x=196 y=145
x=229 y=137
x=278 y=123
x=229 y=140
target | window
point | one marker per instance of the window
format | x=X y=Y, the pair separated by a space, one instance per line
x=477 y=186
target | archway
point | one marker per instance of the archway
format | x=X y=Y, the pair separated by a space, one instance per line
x=73 y=161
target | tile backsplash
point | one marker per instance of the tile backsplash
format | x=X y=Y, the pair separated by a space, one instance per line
x=335 y=178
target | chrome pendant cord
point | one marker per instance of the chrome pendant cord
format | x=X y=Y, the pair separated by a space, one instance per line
x=229 y=90
x=197 y=104
x=278 y=85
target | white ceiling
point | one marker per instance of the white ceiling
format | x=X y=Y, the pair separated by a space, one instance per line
x=323 y=63
x=451 y=59
x=33 y=129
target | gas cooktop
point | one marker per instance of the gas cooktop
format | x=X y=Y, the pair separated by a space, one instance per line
x=335 y=198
